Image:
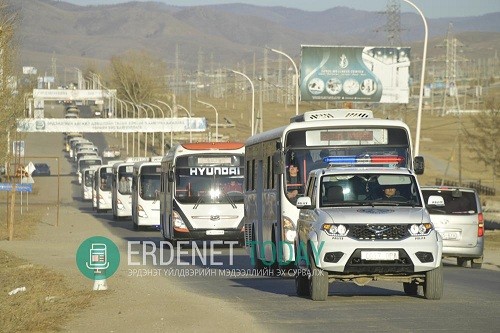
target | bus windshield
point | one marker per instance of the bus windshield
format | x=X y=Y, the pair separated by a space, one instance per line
x=150 y=186
x=125 y=173
x=318 y=148
x=89 y=178
x=209 y=179
x=89 y=162
x=106 y=176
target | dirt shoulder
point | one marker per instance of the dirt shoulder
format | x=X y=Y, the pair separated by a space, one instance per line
x=132 y=304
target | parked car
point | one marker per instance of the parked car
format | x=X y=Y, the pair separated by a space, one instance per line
x=457 y=215
x=41 y=169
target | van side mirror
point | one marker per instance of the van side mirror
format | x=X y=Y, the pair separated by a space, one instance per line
x=418 y=165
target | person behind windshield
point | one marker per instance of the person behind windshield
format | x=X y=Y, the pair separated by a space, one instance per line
x=294 y=185
x=391 y=194
x=233 y=186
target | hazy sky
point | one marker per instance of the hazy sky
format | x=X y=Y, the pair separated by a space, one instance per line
x=430 y=8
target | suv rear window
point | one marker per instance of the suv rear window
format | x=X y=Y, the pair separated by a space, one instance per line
x=464 y=205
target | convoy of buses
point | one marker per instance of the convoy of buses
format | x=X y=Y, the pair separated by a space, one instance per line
x=241 y=191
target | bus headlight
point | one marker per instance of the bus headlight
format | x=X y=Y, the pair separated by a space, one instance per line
x=141 y=212
x=288 y=232
x=178 y=223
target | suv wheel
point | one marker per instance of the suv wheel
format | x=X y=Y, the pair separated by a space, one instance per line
x=476 y=263
x=318 y=281
x=433 y=286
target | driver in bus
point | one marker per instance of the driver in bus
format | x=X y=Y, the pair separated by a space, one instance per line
x=233 y=186
x=294 y=185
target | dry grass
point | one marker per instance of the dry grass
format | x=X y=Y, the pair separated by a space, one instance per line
x=46 y=303
x=24 y=224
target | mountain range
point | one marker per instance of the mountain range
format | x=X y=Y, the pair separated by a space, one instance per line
x=222 y=35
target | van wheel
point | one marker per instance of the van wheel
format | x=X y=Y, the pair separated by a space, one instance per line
x=433 y=286
x=476 y=263
x=410 y=289
x=462 y=262
x=318 y=281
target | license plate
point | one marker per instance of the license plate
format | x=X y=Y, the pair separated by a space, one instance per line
x=449 y=235
x=379 y=255
x=215 y=232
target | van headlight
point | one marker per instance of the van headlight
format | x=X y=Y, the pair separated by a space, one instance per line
x=421 y=229
x=335 y=229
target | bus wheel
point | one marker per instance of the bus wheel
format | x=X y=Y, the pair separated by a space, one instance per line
x=301 y=282
x=257 y=263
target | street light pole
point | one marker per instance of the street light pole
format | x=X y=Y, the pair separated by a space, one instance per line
x=171 y=117
x=422 y=77
x=296 y=79
x=216 y=119
x=133 y=133
x=253 y=98
x=153 y=111
x=162 y=132
x=189 y=115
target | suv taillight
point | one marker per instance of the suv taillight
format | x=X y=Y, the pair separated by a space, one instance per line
x=480 y=225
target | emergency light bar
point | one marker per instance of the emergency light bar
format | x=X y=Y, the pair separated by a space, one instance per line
x=364 y=159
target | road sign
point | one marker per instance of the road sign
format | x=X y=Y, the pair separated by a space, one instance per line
x=25 y=187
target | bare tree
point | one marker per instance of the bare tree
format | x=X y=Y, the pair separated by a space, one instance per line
x=484 y=137
x=11 y=94
x=138 y=77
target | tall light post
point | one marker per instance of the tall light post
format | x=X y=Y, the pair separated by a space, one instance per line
x=153 y=112
x=216 y=119
x=422 y=77
x=162 y=132
x=133 y=133
x=121 y=115
x=171 y=117
x=296 y=79
x=253 y=98
x=189 y=115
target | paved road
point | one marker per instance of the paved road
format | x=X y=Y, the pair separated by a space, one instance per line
x=470 y=303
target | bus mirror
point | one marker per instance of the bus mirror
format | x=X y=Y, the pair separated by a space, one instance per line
x=278 y=162
x=278 y=145
x=170 y=176
x=418 y=165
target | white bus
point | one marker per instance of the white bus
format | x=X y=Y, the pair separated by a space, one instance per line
x=102 y=184
x=88 y=182
x=202 y=192
x=85 y=162
x=309 y=142
x=121 y=192
x=146 y=194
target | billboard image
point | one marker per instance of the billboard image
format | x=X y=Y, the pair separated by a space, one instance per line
x=355 y=74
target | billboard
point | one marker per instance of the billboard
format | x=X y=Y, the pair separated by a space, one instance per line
x=111 y=125
x=355 y=74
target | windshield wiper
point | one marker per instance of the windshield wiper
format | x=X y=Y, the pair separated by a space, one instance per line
x=229 y=199
x=200 y=199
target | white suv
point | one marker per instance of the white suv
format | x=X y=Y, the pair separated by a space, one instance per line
x=364 y=224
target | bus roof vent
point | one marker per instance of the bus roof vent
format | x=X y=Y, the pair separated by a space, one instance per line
x=332 y=114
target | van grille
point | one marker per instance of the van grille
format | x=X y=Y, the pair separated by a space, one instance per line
x=379 y=232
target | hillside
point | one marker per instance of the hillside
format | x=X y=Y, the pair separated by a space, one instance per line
x=222 y=34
